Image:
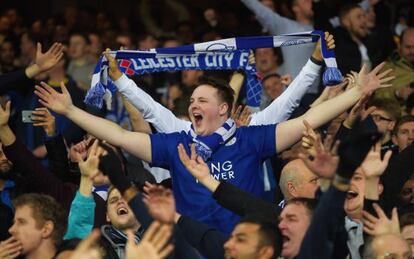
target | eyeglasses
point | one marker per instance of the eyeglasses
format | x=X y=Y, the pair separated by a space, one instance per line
x=377 y=117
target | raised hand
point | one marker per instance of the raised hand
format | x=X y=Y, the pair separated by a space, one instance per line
x=160 y=203
x=359 y=110
x=89 y=167
x=375 y=226
x=58 y=102
x=154 y=244
x=369 y=82
x=45 y=119
x=10 y=248
x=81 y=148
x=242 y=116
x=50 y=58
x=195 y=165
x=114 y=71
x=373 y=165
x=330 y=42
x=5 y=114
x=321 y=159
x=286 y=79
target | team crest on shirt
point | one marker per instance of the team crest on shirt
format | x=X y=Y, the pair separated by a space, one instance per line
x=231 y=142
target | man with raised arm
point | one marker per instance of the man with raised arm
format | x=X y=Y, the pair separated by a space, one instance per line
x=233 y=154
x=164 y=121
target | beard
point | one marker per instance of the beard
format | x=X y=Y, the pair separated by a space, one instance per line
x=6 y=170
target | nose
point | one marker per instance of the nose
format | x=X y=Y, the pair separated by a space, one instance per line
x=228 y=244
x=12 y=229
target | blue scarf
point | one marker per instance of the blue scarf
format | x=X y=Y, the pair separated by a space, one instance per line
x=206 y=145
x=225 y=54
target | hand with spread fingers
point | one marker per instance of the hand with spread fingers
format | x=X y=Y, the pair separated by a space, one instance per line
x=242 y=116
x=10 y=248
x=154 y=244
x=381 y=224
x=359 y=110
x=373 y=165
x=42 y=117
x=5 y=114
x=50 y=58
x=160 y=203
x=58 y=102
x=322 y=159
x=368 y=82
x=89 y=167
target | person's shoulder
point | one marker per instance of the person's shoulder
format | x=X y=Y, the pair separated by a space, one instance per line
x=254 y=129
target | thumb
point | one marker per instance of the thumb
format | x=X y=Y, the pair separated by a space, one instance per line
x=38 y=48
x=8 y=106
x=64 y=89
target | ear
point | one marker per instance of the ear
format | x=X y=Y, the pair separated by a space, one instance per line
x=380 y=188
x=266 y=252
x=224 y=107
x=47 y=229
x=291 y=189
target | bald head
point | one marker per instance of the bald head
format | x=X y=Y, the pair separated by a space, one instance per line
x=407 y=44
x=297 y=181
x=387 y=244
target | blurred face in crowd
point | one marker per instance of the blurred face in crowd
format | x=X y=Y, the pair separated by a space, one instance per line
x=407 y=192
x=206 y=111
x=303 y=8
x=354 y=202
x=27 y=46
x=385 y=123
x=269 y=4
x=4 y=24
x=293 y=223
x=5 y=165
x=407 y=45
x=124 y=41
x=407 y=232
x=245 y=243
x=273 y=87
x=405 y=91
x=7 y=53
x=391 y=246
x=78 y=47
x=354 y=22
x=148 y=42
x=96 y=44
x=119 y=213
x=266 y=60
x=370 y=18
x=190 y=77
x=27 y=230
x=404 y=136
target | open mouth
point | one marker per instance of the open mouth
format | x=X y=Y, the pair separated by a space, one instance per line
x=122 y=211
x=197 y=118
x=351 y=195
x=285 y=240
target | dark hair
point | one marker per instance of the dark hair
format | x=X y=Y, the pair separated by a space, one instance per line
x=267 y=76
x=45 y=208
x=406 y=219
x=224 y=91
x=346 y=9
x=83 y=35
x=268 y=230
x=409 y=103
x=401 y=121
x=308 y=203
x=389 y=106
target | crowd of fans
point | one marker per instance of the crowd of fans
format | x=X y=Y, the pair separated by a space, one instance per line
x=315 y=172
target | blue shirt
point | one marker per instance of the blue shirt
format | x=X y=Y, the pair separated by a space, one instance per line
x=239 y=162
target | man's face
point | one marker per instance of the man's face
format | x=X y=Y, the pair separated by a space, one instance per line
x=355 y=22
x=273 y=87
x=294 y=221
x=266 y=60
x=355 y=198
x=244 y=242
x=407 y=46
x=7 y=54
x=407 y=192
x=119 y=213
x=190 y=77
x=304 y=7
x=5 y=165
x=408 y=234
x=205 y=110
x=77 y=47
x=391 y=246
x=383 y=120
x=308 y=184
x=26 y=46
x=25 y=229
x=405 y=91
x=405 y=135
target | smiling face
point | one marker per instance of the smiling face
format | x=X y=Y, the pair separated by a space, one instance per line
x=119 y=213
x=207 y=111
x=294 y=221
x=354 y=202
